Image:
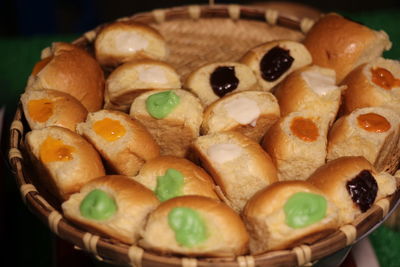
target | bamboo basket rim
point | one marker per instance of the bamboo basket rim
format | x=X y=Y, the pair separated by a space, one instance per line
x=112 y=251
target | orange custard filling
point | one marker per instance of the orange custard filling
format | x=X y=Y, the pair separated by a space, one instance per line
x=53 y=150
x=305 y=129
x=110 y=130
x=40 y=110
x=372 y=122
x=40 y=65
x=384 y=78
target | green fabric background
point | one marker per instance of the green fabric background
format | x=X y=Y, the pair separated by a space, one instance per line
x=32 y=239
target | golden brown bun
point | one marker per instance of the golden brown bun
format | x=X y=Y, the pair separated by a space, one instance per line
x=134 y=202
x=363 y=92
x=198 y=82
x=237 y=164
x=294 y=157
x=47 y=107
x=310 y=88
x=71 y=70
x=131 y=79
x=265 y=218
x=175 y=132
x=79 y=162
x=126 y=154
x=340 y=44
x=121 y=42
x=226 y=233
x=249 y=112
x=348 y=138
x=332 y=178
x=196 y=180
x=254 y=56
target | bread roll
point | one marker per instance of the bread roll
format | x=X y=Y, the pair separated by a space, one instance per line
x=170 y=176
x=341 y=44
x=353 y=185
x=248 y=112
x=195 y=226
x=45 y=108
x=274 y=60
x=122 y=41
x=65 y=161
x=112 y=205
x=123 y=142
x=311 y=88
x=131 y=79
x=297 y=145
x=286 y=214
x=70 y=69
x=369 y=132
x=237 y=164
x=213 y=81
x=376 y=83
x=173 y=117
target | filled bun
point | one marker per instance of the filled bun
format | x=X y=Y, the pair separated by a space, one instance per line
x=340 y=44
x=114 y=206
x=70 y=69
x=195 y=226
x=286 y=214
x=123 y=142
x=65 y=160
x=249 y=112
x=44 y=108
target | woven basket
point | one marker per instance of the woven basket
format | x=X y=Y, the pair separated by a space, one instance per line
x=195 y=35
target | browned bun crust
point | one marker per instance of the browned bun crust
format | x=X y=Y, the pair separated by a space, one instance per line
x=66 y=110
x=63 y=178
x=264 y=210
x=134 y=203
x=227 y=235
x=197 y=180
x=340 y=44
x=127 y=154
x=71 y=70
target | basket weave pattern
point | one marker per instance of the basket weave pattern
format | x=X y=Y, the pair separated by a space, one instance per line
x=196 y=35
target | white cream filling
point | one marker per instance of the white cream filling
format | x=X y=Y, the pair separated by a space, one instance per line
x=130 y=42
x=221 y=153
x=243 y=110
x=152 y=74
x=319 y=83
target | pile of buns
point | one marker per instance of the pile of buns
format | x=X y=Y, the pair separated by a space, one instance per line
x=279 y=148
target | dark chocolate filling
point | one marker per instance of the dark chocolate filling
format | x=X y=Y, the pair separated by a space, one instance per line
x=275 y=63
x=223 y=80
x=363 y=189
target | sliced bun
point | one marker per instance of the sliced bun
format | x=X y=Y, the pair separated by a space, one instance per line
x=212 y=81
x=46 y=108
x=297 y=145
x=196 y=181
x=311 y=88
x=364 y=89
x=249 y=112
x=371 y=132
x=341 y=44
x=70 y=69
x=270 y=222
x=274 y=60
x=123 y=142
x=131 y=79
x=337 y=176
x=177 y=130
x=237 y=164
x=224 y=233
x=65 y=160
x=122 y=41
x=133 y=202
